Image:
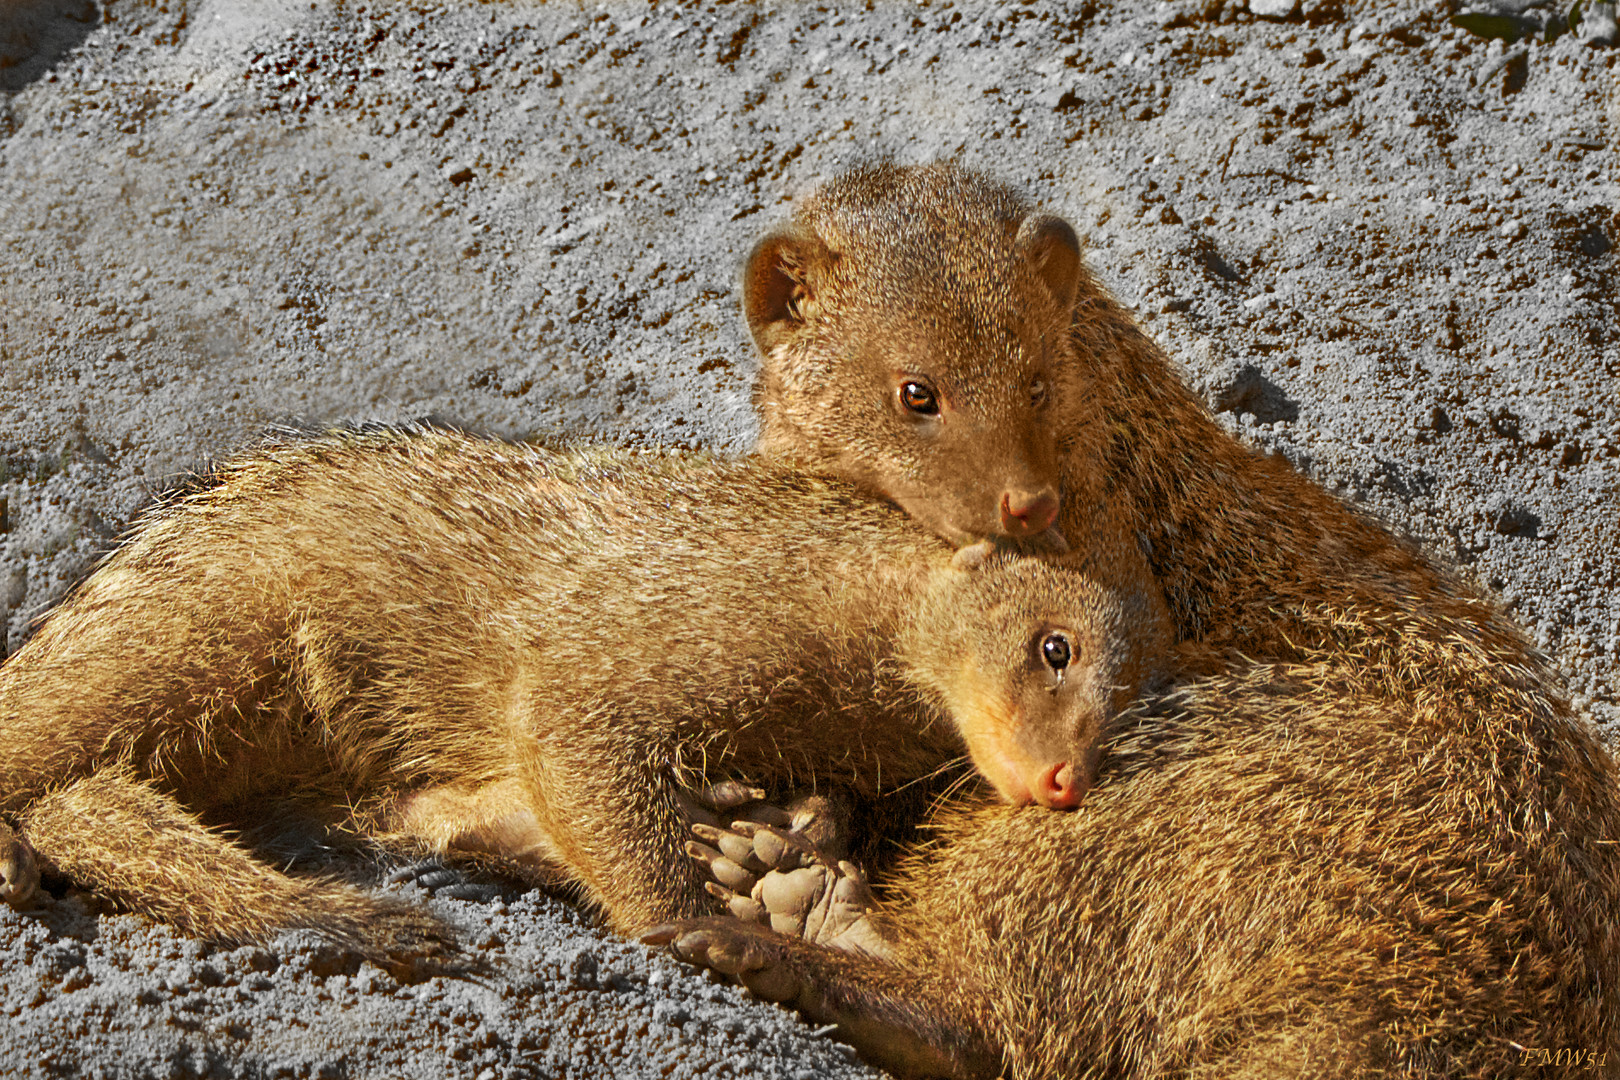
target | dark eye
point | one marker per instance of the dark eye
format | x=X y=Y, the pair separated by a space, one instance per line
x=919 y=398
x=1037 y=393
x=1055 y=651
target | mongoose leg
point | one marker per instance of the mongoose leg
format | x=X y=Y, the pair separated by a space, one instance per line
x=19 y=871
x=493 y=826
x=137 y=845
x=891 y=1016
x=626 y=842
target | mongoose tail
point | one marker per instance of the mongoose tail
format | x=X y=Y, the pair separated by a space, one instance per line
x=113 y=833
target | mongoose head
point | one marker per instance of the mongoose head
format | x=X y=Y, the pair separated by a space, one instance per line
x=913 y=324
x=1032 y=660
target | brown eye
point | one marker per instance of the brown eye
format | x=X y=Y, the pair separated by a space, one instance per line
x=919 y=398
x=1037 y=393
x=1056 y=652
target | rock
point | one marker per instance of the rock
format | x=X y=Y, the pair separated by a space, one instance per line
x=1598 y=25
x=1510 y=20
x=1243 y=389
x=1507 y=518
x=1273 y=9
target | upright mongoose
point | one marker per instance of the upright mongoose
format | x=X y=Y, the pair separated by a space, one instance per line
x=1378 y=843
x=471 y=645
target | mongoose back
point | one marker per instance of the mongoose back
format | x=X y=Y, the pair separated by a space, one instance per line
x=1378 y=843
x=460 y=644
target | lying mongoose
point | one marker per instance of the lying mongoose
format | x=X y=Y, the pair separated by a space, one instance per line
x=1379 y=843
x=464 y=645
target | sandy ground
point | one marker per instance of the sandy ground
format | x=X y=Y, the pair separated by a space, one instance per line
x=1382 y=246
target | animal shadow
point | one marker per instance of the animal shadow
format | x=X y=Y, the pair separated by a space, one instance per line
x=35 y=34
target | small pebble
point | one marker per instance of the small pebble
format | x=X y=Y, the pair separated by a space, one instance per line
x=1273 y=9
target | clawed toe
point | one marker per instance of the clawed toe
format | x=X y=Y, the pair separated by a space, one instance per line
x=739 y=849
x=722 y=869
x=444 y=882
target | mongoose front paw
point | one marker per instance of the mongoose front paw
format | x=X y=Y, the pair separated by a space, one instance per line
x=751 y=954
x=772 y=877
x=19 y=871
x=706 y=805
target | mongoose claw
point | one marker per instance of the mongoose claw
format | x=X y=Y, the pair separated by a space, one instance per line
x=728 y=795
x=19 y=872
x=444 y=882
x=733 y=845
x=706 y=805
x=741 y=906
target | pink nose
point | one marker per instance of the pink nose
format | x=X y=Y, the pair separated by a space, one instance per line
x=1025 y=514
x=1061 y=787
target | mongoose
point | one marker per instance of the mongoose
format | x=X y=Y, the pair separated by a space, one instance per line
x=462 y=644
x=1378 y=843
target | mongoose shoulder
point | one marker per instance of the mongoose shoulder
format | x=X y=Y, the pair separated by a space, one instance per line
x=473 y=645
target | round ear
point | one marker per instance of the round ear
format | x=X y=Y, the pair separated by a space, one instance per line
x=775 y=295
x=1053 y=250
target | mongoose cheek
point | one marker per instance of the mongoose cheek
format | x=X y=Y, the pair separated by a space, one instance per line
x=994 y=754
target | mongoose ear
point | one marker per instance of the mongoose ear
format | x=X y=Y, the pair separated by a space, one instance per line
x=776 y=297
x=1054 y=250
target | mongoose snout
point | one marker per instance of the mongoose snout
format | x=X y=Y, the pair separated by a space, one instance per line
x=1028 y=513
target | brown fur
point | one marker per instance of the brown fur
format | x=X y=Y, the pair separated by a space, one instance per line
x=1380 y=844
x=463 y=645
